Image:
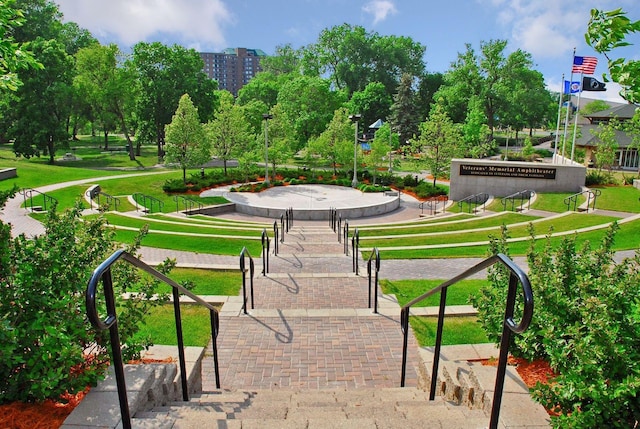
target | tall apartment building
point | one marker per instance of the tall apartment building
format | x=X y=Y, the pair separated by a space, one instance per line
x=232 y=68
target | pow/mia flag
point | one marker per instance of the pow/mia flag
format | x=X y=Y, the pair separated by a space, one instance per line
x=591 y=84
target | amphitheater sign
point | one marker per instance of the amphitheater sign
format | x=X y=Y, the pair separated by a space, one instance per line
x=508 y=171
x=502 y=178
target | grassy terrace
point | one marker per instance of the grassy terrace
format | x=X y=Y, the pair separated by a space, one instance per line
x=568 y=222
x=628 y=238
x=182 y=227
x=463 y=224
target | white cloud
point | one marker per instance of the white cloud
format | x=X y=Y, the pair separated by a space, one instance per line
x=130 y=21
x=547 y=29
x=380 y=9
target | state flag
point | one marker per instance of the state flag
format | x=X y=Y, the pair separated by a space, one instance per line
x=571 y=87
x=585 y=65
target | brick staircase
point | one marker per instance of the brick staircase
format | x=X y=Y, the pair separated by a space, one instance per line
x=313 y=355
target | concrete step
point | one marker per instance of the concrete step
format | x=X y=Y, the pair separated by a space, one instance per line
x=368 y=408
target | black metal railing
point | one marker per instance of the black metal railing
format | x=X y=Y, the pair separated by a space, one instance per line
x=188 y=204
x=517 y=276
x=355 y=244
x=266 y=247
x=276 y=237
x=345 y=237
x=147 y=202
x=282 y=227
x=333 y=216
x=47 y=200
x=592 y=195
x=103 y=200
x=432 y=204
x=110 y=322
x=289 y=218
x=339 y=228
x=522 y=196
x=473 y=201
x=244 y=254
x=373 y=270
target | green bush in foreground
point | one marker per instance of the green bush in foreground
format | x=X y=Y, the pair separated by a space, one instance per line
x=586 y=325
x=47 y=346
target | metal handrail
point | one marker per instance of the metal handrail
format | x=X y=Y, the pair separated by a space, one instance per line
x=355 y=244
x=474 y=199
x=509 y=325
x=282 y=226
x=522 y=195
x=345 y=237
x=266 y=246
x=46 y=198
x=374 y=256
x=595 y=193
x=110 y=322
x=339 y=228
x=110 y=199
x=430 y=204
x=150 y=199
x=188 y=204
x=276 y=235
x=243 y=255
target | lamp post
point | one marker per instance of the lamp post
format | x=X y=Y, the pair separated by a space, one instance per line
x=266 y=118
x=355 y=119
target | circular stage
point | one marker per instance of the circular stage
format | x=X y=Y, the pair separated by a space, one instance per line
x=311 y=202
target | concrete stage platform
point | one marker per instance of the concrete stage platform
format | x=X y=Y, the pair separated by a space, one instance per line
x=310 y=202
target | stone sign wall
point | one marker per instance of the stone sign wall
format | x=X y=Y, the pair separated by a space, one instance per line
x=502 y=178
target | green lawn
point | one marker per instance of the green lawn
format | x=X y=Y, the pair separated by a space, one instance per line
x=456 y=330
x=160 y=325
x=565 y=223
x=554 y=202
x=448 y=226
x=619 y=198
x=209 y=282
x=406 y=290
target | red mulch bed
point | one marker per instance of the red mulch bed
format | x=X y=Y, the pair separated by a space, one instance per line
x=48 y=414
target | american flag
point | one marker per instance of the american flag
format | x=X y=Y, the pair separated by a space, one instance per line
x=585 y=65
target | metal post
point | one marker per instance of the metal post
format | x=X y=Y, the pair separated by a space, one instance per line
x=355 y=119
x=266 y=118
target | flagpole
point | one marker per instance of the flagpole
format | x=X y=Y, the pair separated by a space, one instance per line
x=555 y=146
x=575 y=122
x=566 y=122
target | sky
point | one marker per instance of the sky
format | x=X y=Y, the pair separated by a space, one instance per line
x=547 y=29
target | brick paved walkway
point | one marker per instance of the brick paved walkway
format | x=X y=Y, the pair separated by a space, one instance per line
x=273 y=347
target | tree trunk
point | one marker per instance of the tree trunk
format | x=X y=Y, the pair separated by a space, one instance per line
x=106 y=140
x=51 y=150
x=224 y=161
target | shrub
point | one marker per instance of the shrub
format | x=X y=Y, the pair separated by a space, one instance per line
x=586 y=324
x=595 y=177
x=47 y=346
x=426 y=190
x=174 y=186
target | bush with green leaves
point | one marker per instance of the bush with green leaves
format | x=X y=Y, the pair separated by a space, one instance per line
x=47 y=346
x=586 y=324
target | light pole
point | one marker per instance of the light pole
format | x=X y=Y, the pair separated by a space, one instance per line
x=266 y=118
x=355 y=119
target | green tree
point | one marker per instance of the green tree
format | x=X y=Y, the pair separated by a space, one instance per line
x=608 y=32
x=439 y=140
x=228 y=132
x=594 y=106
x=279 y=133
x=264 y=87
x=476 y=131
x=14 y=55
x=187 y=144
x=378 y=152
x=41 y=109
x=163 y=74
x=428 y=86
x=605 y=153
x=285 y=60
x=353 y=57
x=404 y=113
x=107 y=88
x=372 y=103
x=335 y=144
x=307 y=103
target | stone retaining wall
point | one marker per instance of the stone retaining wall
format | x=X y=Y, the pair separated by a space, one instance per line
x=502 y=178
x=8 y=173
